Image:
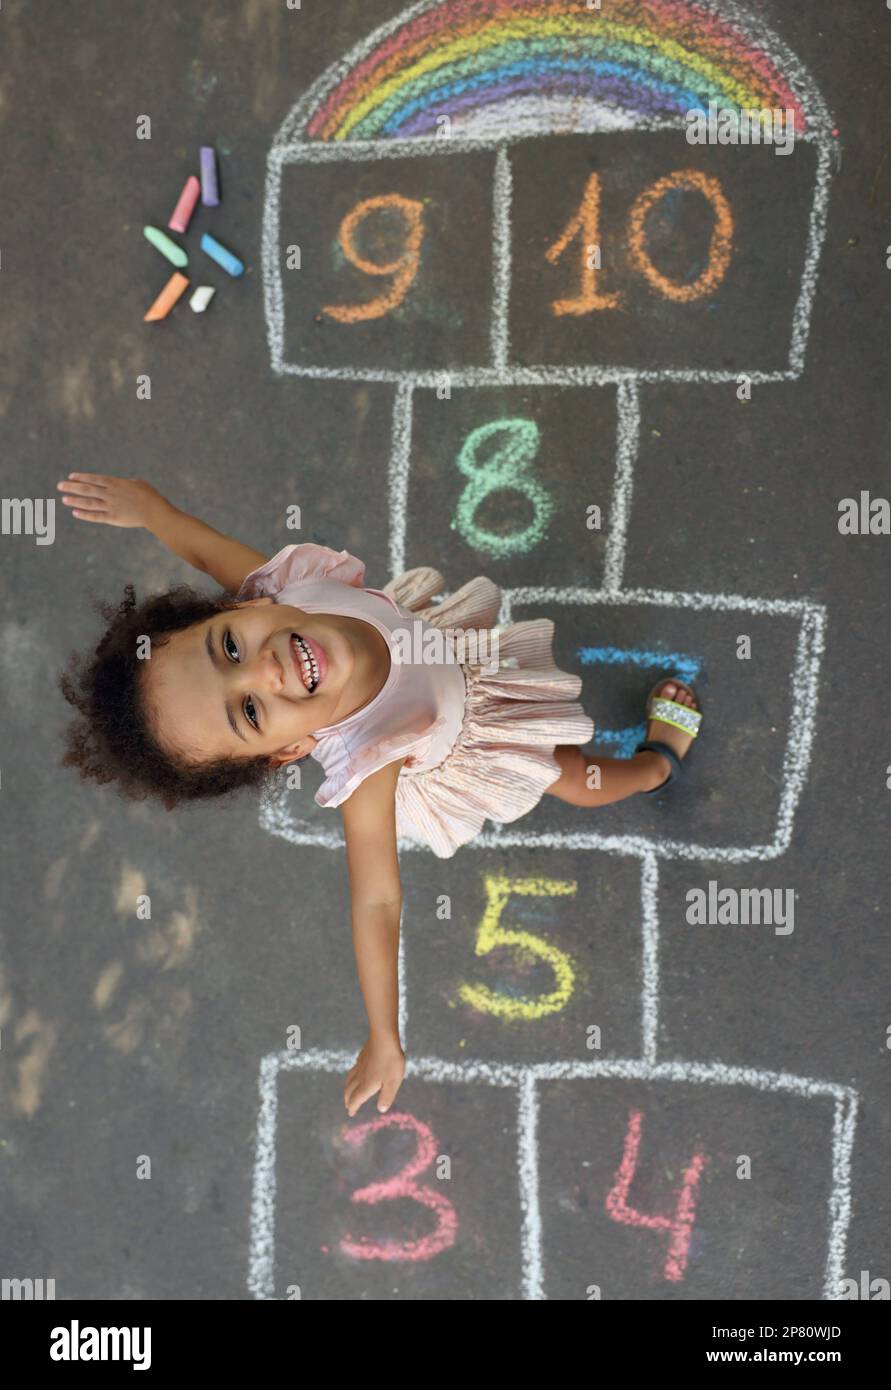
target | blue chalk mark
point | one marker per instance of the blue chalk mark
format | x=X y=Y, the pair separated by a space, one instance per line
x=678 y=663
x=624 y=741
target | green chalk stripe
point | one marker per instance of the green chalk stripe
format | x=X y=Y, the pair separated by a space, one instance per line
x=168 y=248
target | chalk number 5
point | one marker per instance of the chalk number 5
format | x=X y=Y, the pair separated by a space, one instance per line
x=491 y=934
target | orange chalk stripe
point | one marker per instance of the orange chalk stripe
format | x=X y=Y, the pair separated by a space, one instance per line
x=171 y=292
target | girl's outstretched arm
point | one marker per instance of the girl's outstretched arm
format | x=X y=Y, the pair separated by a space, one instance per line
x=131 y=502
x=369 y=819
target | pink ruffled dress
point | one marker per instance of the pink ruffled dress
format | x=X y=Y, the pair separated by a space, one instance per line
x=478 y=743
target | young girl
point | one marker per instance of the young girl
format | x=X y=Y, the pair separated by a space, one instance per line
x=295 y=658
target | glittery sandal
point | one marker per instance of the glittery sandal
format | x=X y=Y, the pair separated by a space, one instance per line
x=680 y=717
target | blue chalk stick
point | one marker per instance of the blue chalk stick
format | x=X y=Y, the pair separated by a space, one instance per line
x=219 y=254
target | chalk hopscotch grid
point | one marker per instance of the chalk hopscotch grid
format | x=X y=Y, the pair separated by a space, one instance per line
x=501 y=373
x=291 y=148
x=277 y=818
x=526 y=1080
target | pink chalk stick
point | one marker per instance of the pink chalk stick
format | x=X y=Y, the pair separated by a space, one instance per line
x=182 y=213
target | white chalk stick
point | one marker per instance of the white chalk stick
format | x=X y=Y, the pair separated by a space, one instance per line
x=201 y=298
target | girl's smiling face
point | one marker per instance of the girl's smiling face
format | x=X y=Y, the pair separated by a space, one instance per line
x=238 y=686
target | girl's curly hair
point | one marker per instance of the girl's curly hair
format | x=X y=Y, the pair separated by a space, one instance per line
x=112 y=739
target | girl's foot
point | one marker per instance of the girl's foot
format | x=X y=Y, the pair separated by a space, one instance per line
x=657 y=769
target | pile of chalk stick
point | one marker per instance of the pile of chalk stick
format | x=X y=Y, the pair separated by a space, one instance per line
x=179 y=222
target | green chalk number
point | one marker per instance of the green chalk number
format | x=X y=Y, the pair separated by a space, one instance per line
x=506 y=467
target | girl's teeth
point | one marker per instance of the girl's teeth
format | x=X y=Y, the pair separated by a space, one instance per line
x=308 y=662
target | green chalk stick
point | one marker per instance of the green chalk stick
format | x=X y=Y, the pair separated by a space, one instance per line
x=168 y=248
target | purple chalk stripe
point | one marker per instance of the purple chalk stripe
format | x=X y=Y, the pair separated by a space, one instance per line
x=613 y=91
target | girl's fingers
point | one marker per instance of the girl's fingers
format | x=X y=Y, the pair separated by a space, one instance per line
x=387 y=1096
x=88 y=504
x=100 y=478
x=83 y=489
x=362 y=1094
x=91 y=516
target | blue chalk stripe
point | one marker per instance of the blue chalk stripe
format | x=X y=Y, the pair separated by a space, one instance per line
x=677 y=663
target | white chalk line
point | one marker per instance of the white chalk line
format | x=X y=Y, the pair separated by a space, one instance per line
x=844 y=1129
x=802 y=722
x=278 y=821
x=398 y=475
x=526 y=1079
x=649 y=984
x=627 y=444
x=801 y=315
x=502 y=259
x=665 y=598
x=469 y=377
x=529 y=1184
x=429 y=146
x=261 y=1252
x=271 y=261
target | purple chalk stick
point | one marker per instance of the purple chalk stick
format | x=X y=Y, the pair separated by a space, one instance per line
x=210 y=196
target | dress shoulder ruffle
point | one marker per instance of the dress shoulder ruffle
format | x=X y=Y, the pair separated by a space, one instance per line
x=299 y=564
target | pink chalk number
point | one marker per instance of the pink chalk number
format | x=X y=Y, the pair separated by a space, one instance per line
x=403 y=1185
x=679 y=1226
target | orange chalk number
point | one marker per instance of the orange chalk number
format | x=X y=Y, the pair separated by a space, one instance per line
x=403 y=270
x=585 y=225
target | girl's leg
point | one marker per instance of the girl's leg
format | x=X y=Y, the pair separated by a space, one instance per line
x=620 y=777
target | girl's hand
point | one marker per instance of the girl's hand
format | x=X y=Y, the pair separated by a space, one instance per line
x=380 y=1066
x=114 y=501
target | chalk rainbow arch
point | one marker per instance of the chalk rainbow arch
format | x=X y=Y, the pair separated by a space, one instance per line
x=510 y=67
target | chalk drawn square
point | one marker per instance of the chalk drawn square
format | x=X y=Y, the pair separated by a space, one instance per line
x=540 y=959
x=757 y=735
x=434 y=311
x=641 y=1194
x=493 y=482
x=461 y=1231
x=523 y=1202
x=764 y=200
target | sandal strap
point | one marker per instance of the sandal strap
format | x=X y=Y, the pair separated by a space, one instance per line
x=680 y=716
x=677 y=767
